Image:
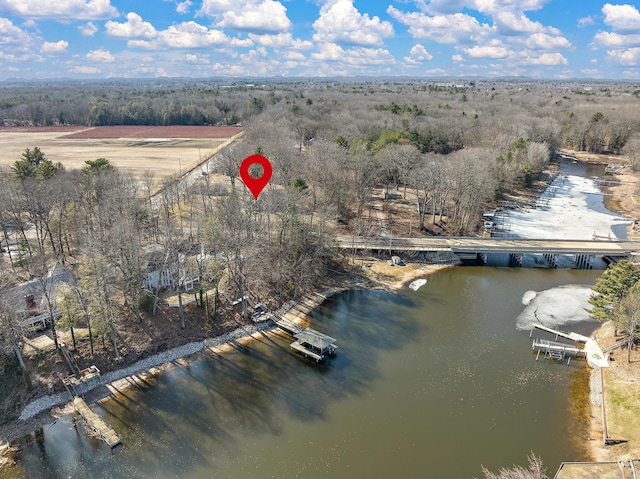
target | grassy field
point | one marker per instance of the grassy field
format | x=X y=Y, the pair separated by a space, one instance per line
x=163 y=155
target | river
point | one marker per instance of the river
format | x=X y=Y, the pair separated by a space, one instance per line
x=431 y=383
x=427 y=383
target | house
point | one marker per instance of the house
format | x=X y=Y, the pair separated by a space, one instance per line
x=29 y=301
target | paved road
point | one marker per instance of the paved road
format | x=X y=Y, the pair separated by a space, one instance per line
x=492 y=245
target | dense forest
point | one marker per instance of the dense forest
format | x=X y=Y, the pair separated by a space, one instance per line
x=446 y=149
x=435 y=116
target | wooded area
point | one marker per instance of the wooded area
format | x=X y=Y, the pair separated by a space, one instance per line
x=445 y=151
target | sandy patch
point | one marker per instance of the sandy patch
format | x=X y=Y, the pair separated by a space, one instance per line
x=397 y=277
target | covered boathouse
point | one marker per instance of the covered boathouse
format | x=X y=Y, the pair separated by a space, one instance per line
x=313 y=344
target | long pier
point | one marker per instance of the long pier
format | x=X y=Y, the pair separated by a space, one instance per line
x=477 y=245
x=93 y=421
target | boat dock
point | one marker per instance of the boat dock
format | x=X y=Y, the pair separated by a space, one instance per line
x=309 y=342
x=556 y=350
x=93 y=421
x=312 y=344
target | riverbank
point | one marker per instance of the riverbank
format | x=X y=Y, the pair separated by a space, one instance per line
x=622 y=194
x=47 y=409
x=621 y=402
x=622 y=380
x=379 y=274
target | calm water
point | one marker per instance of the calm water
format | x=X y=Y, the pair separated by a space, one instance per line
x=431 y=383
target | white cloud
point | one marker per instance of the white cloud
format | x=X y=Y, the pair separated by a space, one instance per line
x=328 y=51
x=12 y=35
x=586 y=22
x=341 y=22
x=624 y=41
x=293 y=55
x=418 y=54
x=359 y=56
x=100 y=55
x=610 y=39
x=188 y=35
x=254 y=15
x=134 y=27
x=454 y=29
x=54 y=48
x=229 y=69
x=197 y=59
x=281 y=40
x=550 y=59
x=183 y=7
x=621 y=17
x=85 y=70
x=489 y=7
x=487 y=51
x=542 y=41
x=88 y=30
x=64 y=9
x=517 y=23
x=630 y=57
x=191 y=35
x=457 y=58
x=24 y=58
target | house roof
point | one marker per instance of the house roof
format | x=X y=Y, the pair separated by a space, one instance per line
x=15 y=297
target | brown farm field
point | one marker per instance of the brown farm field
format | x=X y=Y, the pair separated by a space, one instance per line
x=164 y=150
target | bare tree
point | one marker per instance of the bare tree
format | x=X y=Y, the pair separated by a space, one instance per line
x=11 y=331
x=535 y=470
x=626 y=316
x=632 y=150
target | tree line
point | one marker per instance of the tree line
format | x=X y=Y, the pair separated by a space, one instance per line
x=436 y=116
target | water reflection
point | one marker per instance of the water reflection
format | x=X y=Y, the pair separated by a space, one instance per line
x=434 y=382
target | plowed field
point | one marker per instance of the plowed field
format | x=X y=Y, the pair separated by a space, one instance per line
x=163 y=150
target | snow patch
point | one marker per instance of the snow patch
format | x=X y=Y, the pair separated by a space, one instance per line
x=556 y=307
x=528 y=296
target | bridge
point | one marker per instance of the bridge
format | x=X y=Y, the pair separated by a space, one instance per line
x=472 y=247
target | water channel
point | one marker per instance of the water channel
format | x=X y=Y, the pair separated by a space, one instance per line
x=427 y=383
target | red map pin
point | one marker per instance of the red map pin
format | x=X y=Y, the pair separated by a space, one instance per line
x=255 y=185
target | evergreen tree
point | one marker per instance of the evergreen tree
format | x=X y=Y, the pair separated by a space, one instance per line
x=34 y=164
x=611 y=287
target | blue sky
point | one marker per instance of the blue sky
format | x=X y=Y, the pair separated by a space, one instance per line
x=270 y=38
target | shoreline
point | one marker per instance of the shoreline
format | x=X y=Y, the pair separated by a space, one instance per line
x=47 y=409
x=619 y=373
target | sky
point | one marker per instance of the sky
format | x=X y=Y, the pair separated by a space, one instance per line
x=546 y=39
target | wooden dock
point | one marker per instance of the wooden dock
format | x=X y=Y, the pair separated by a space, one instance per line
x=95 y=423
x=310 y=343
